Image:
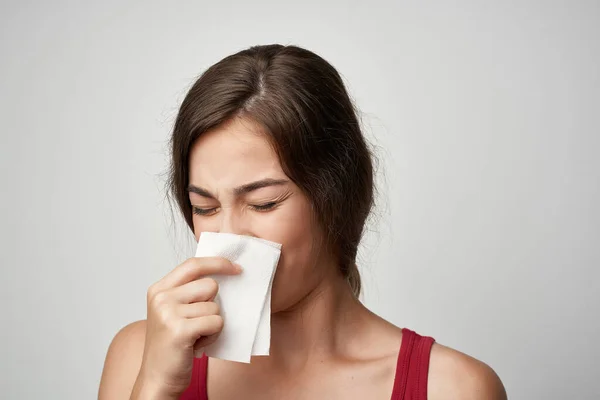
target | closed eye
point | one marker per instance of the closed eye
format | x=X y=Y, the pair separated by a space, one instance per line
x=203 y=211
x=263 y=207
x=256 y=207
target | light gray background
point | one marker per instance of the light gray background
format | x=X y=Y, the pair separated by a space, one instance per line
x=485 y=116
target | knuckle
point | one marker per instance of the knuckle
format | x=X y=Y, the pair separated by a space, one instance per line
x=164 y=314
x=177 y=330
x=225 y=263
x=190 y=262
x=158 y=299
x=187 y=265
x=152 y=290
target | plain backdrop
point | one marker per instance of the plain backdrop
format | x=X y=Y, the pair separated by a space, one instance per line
x=484 y=116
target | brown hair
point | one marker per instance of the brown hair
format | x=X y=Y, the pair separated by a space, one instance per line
x=301 y=102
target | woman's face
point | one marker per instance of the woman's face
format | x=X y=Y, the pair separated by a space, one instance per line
x=240 y=187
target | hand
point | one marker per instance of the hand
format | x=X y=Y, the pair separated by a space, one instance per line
x=182 y=319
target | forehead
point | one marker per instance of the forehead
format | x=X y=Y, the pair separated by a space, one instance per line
x=233 y=154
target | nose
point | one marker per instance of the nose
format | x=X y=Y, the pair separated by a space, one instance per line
x=231 y=222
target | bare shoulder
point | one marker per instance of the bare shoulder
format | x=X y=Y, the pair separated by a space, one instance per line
x=455 y=375
x=123 y=361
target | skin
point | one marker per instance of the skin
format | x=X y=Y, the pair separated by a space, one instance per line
x=325 y=343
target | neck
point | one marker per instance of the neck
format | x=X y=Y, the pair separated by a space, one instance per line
x=317 y=327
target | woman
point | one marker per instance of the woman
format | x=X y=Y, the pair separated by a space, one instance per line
x=267 y=144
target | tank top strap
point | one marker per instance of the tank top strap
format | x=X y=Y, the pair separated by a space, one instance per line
x=197 y=388
x=412 y=368
x=410 y=381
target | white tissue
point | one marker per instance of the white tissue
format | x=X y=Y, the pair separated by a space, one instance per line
x=244 y=299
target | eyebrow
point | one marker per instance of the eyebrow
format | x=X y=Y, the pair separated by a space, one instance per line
x=240 y=190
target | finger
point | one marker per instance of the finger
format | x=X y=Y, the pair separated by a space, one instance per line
x=203 y=342
x=194 y=268
x=204 y=289
x=196 y=310
x=195 y=328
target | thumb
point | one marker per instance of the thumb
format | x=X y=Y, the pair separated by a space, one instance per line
x=203 y=342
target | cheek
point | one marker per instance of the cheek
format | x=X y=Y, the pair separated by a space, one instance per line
x=203 y=224
x=292 y=226
x=296 y=272
x=291 y=231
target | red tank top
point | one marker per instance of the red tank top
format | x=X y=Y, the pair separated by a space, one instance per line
x=410 y=382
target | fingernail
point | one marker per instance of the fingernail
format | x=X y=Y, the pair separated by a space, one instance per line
x=237 y=267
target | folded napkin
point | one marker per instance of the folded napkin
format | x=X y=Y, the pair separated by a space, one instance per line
x=244 y=299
